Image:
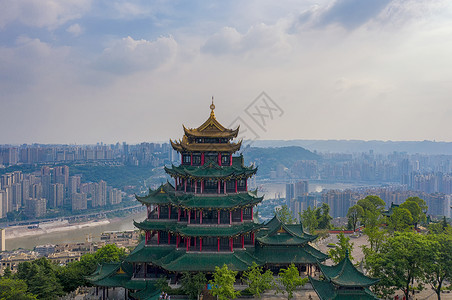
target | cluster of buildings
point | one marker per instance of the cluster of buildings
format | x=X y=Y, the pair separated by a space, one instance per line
x=144 y=154
x=52 y=188
x=63 y=254
x=339 y=201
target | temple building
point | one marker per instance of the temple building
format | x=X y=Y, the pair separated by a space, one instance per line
x=205 y=218
x=343 y=281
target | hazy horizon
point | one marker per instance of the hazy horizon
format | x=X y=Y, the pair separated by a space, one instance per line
x=85 y=71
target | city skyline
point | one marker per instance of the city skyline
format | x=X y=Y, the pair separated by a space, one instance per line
x=84 y=71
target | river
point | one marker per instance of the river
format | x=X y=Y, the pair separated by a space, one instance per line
x=75 y=236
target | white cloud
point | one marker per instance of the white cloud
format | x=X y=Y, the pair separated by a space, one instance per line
x=128 y=55
x=75 y=29
x=41 y=13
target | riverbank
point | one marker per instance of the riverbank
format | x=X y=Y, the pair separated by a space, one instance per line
x=62 y=232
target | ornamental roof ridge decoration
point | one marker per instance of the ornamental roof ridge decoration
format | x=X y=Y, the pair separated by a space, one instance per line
x=211 y=128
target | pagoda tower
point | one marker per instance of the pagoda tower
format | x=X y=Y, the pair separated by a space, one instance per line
x=205 y=218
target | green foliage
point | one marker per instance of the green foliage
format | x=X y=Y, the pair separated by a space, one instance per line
x=323 y=216
x=41 y=277
x=7 y=273
x=223 y=283
x=290 y=279
x=376 y=237
x=354 y=214
x=372 y=207
x=401 y=260
x=109 y=253
x=11 y=289
x=422 y=204
x=285 y=215
x=414 y=209
x=343 y=245
x=400 y=220
x=309 y=219
x=257 y=280
x=193 y=285
x=437 y=265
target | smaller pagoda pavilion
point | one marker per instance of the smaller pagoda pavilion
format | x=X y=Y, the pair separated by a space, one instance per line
x=343 y=281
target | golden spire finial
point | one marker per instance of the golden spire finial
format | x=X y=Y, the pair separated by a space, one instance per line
x=212 y=107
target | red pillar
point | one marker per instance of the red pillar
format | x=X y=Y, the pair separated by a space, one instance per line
x=185 y=185
x=230 y=217
x=218 y=186
x=169 y=238
x=146 y=238
x=178 y=241
x=202 y=186
x=191 y=159
x=236 y=185
x=202 y=159
x=230 y=159
x=169 y=211
x=230 y=243
x=158 y=212
x=252 y=237
x=241 y=215
x=200 y=244
x=187 y=240
x=219 y=159
x=189 y=216
x=243 y=241
x=246 y=184
x=175 y=183
x=200 y=217
x=218 y=244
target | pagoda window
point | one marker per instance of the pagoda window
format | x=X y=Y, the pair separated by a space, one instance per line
x=236 y=215
x=224 y=244
x=237 y=242
x=225 y=159
x=186 y=159
x=209 y=244
x=241 y=185
x=247 y=213
x=164 y=212
x=230 y=186
x=210 y=217
x=224 y=217
x=248 y=239
x=196 y=159
x=211 y=186
x=194 y=217
x=211 y=158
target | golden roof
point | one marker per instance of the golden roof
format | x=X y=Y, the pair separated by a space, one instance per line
x=185 y=145
x=211 y=128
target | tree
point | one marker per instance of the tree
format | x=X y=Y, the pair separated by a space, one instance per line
x=376 y=237
x=309 y=220
x=285 y=215
x=354 y=214
x=257 y=280
x=372 y=206
x=414 y=209
x=223 y=283
x=11 y=289
x=193 y=284
x=323 y=216
x=109 y=253
x=41 y=277
x=343 y=245
x=401 y=260
x=7 y=273
x=400 y=219
x=290 y=279
x=438 y=267
x=422 y=204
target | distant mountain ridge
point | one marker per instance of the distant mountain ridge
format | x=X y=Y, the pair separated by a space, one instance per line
x=356 y=146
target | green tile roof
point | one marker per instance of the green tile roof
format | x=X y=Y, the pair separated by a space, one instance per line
x=287 y=254
x=150 y=292
x=198 y=230
x=211 y=171
x=327 y=291
x=165 y=194
x=345 y=274
x=274 y=232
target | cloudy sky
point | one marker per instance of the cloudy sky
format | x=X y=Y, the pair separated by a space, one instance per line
x=86 y=71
